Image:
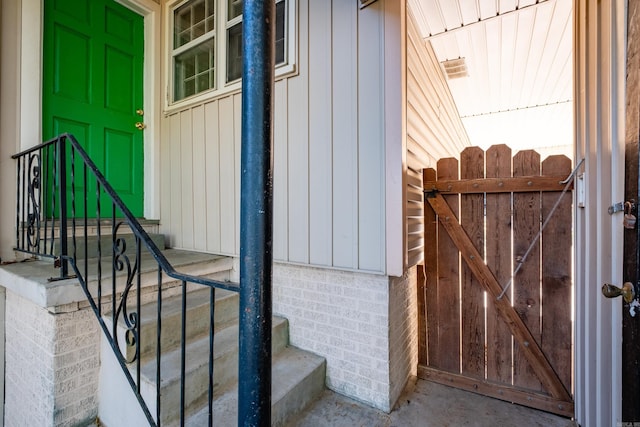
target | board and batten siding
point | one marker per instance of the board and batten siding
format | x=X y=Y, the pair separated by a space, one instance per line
x=434 y=130
x=329 y=150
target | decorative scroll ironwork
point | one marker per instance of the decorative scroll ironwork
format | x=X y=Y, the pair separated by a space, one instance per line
x=37 y=210
x=122 y=263
x=34 y=168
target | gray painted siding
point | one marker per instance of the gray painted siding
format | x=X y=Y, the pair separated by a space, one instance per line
x=328 y=151
x=434 y=130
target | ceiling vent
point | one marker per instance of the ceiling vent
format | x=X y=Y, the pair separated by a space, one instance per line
x=455 y=68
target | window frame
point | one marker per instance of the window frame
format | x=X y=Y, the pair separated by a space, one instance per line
x=176 y=52
x=221 y=87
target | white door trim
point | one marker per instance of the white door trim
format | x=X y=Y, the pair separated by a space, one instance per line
x=151 y=11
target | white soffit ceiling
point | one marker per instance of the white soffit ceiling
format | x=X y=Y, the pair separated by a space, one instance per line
x=519 y=63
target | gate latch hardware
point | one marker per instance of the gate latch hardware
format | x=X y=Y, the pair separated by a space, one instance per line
x=618 y=207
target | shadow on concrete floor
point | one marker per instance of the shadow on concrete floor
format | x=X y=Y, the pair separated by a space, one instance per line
x=427 y=405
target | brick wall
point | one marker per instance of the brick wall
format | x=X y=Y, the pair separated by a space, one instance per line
x=363 y=324
x=403 y=331
x=345 y=317
x=52 y=364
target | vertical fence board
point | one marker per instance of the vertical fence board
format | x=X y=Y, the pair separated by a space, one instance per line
x=556 y=274
x=526 y=284
x=448 y=282
x=428 y=288
x=472 y=294
x=498 y=256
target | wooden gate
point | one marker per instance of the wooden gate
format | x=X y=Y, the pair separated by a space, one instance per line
x=514 y=345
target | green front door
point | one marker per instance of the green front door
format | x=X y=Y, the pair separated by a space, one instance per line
x=92 y=88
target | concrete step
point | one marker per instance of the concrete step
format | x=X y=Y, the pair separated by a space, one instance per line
x=193 y=263
x=297 y=380
x=198 y=303
x=105 y=226
x=197 y=370
x=105 y=246
x=298 y=377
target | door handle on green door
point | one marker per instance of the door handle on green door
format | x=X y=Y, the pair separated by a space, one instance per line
x=140 y=125
x=612 y=291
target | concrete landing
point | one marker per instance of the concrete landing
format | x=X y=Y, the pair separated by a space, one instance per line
x=427 y=405
x=30 y=278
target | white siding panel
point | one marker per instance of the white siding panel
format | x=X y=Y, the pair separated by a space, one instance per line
x=395 y=107
x=298 y=147
x=509 y=26
x=165 y=180
x=280 y=173
x=469 y=11
x=487 y=8
x=434 y=129
x=451 y=14
x=186 y=169
x=345 y=136
x=541 y=31
x=431 y=110
x=176 y=183
x=427 y=119
x=199 y=181
x=526 y=20
x=227 y=178
x=212 y=176
x=492 y=38
x=428 y=93
x=371 y=138
x=237 y=151
x=505 y=6
x=434 y=16
x=320 y=144
x=418 y=155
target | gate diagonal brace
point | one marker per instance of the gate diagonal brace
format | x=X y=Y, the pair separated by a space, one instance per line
x=481 y=271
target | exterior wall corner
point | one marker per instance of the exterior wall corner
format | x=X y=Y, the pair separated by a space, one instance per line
x=403 y=332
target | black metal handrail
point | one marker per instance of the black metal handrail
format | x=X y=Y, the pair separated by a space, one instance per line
x=53 y=179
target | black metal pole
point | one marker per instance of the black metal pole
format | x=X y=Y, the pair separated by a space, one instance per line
x=256 y=214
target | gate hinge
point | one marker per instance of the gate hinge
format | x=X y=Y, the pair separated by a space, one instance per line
x=429 y=194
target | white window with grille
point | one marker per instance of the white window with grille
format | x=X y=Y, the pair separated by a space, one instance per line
x=206 y=46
